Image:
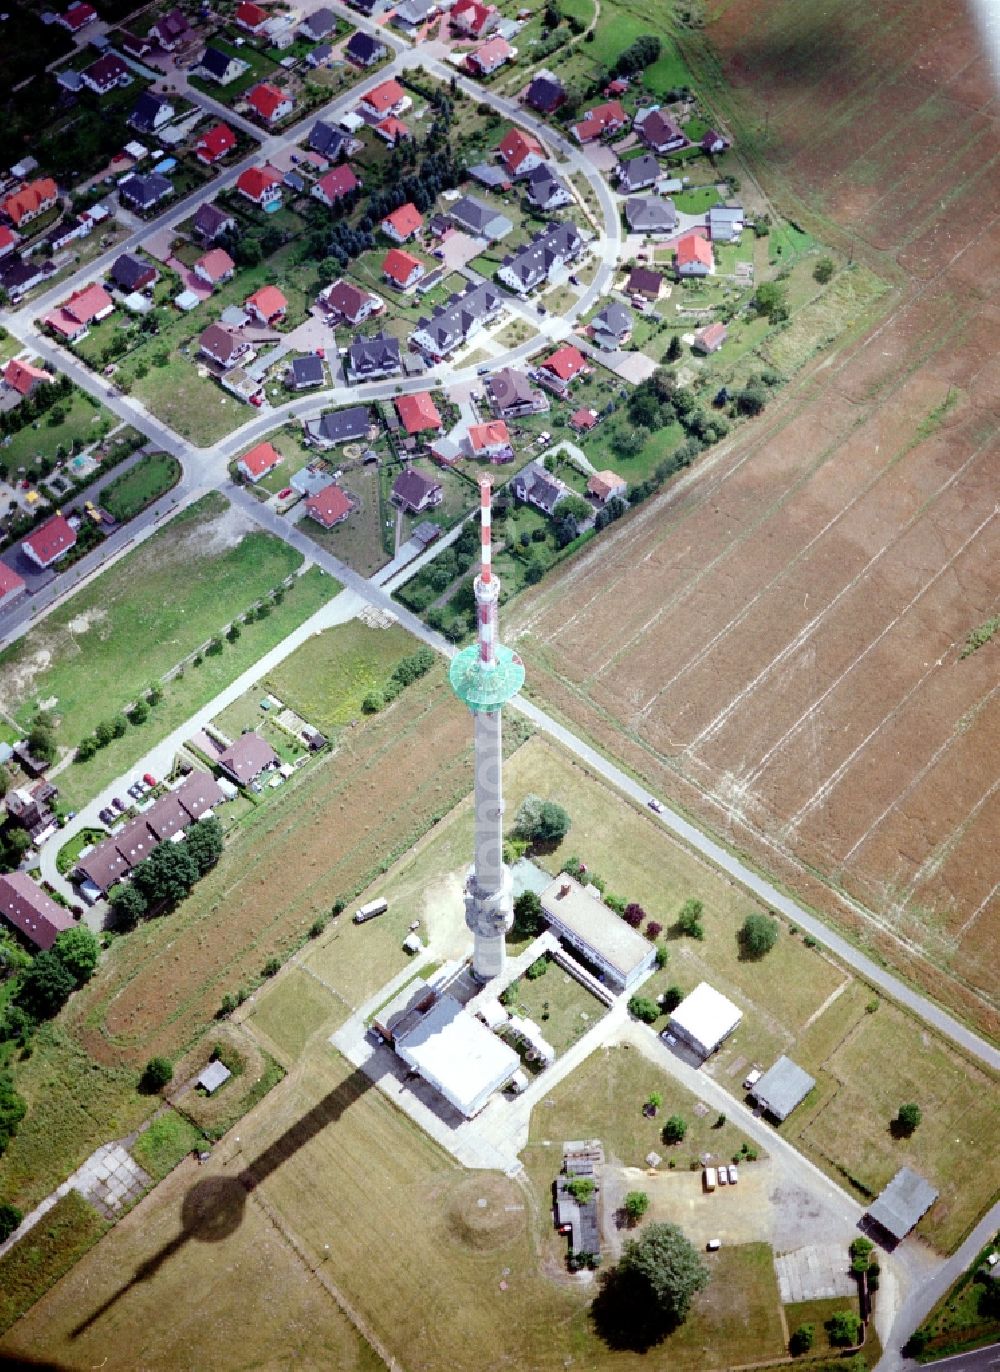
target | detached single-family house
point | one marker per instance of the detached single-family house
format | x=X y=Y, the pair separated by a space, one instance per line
x=364 y=50
x=644 y=284
x=520 y=153
x=150 y=112
x=560 y=370
x=609 y=118
x=511 y=394
x=250 y=17
x=410 y=15
x=143 y=193
x=494 y=53
x=403 y=223
x=392 y=130
x=77 y=17
x=270 y=103
x=262 y=185
x=305 y=372
x=30 y=201
x=370 y=358
x=491 y=441
x=8 y=240
x=713 y=143
x=339 y=426
x=492 y=177
x=583 y=420
x=725 y=222
x=533 y=485
x=401 y=269
x=387 y=98
x=651 y=215
x=329 y=142
x=222 y=67
x=547 y=253
x=545 y=94
x=330 y=506
x=478 y=219
x=214 y=144
x=345 y=301
x=546 y=190
x=710 y=339
x=131 y=273
x=638 y=173
x=211 y=222
x=659 y=133
x=222 y=347
x=17 y=277
x=84 y=307
x=244 y=760
x=453 y=324
x=414 y=492
x=606 y=485
x=135 y=45
x=612 y=327
x=267 y=306
x=335 y=185
x=318 y=25
x=215 y=267
x=470 y=19
x=258 y=462
x=171 y=30
x=50 y=541
x=23 y=378
x=106 y=74
x=32 y=912
x=693 y=255
x=418 y=413
x=12 y=587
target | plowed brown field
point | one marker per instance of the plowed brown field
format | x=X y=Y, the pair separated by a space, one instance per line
x=775 y=642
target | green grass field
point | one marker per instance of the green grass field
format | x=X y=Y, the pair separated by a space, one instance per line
x=86 y=421
x=562 y=1008
x=169 y=1138
x=962 y=1318
x=152 y=476
x=45 y=1253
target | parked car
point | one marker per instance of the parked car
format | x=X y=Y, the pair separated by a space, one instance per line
x=752 y=1078
x=149 y=779
x=734 y=1175
x=107 y=816
x=723 y=1178
x=119 y=805
x=713 y=1245
x=283 y=495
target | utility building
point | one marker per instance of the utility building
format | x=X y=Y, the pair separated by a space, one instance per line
x=704 y=1019
x=457 y=1055
x=782 y=1088
x=620 y=954
x=903 y=1202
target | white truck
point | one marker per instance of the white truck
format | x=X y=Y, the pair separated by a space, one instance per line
x=371 y=910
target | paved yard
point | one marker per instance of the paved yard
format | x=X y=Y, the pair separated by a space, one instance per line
x=817 y=1272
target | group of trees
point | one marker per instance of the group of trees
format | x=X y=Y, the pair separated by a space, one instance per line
x=405 y=673
x=541 y=821
x=658 y=402
x=43 y=399
x=638 y=55
x=163 y=879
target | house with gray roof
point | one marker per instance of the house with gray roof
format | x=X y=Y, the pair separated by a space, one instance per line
x=725 y=222
x=338 y=426
x=329 y=142
x=651 y=214
x=369 y=358
x=211 y=222
x=415 y=492
x=638 y=173
x=511 y=394
x=902 y=1204
x=455 y=323
x=412 y=13
x=144 y=192
x=546 y=190
x=479 y=219
x=320 y=24
x=612 y=327
x=542 y=258
x=535 y=486
x=782 y=1088
x=491 y=175
x=304 y=372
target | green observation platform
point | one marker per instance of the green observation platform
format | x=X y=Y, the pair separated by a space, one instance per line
x=486 y=688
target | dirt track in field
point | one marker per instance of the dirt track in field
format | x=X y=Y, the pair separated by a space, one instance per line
x=776 y=641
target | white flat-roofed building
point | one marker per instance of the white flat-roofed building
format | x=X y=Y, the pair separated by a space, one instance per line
x=458 y=1056
x=620 y=953
x=704 y=1019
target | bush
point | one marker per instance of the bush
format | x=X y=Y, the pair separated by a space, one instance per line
x=10 y=1219
x=643 y=1008
x=581 y=1189
x=12 y=1110
x=272 y=967
x=317 y=926
x=689 y=918
x=908 y=1118
x=373 y=702
x=672 y=997
x=653 y=930
x=636 y=1205
x=528 y=917
x=537 y=969
x=541 y=821
x=802 y=1340
x=155 y=1075
x=78 y=951
x=844 y=1328
x=674 y=1129
x=662 y=955
x=758 y=935
x=634 y=914
x=823 y=270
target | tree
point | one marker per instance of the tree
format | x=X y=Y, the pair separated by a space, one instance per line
x=573 y=507
x=634 y=914
x=674 y=1129
x=758 y=935
x=78 y=950
x=908 y=1118
x=674 y=348
x=581 y=1189
x=139 y=712
x=643 y=1008
x=672 y=997
x=844 y=1328
x=689 y=919
x=636 y=1205
x=665 y=1263
x=104 y=733
x=823 y=270
x=12 y=956
x=155 y=1075
x=12 y=1110
x=46 y=986
x=204 y=843
x=167 y=875
x=42 y=740
x=373 y=702
x=528 y=917
x=750 y=400
x=769 y=300
x=802 y=1340
x=128 y=905
x=541 y=821
x=10 y=1219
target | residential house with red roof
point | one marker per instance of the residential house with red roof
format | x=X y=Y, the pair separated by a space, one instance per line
x=491 y=441
x=214 y=144
x=606 y=485
x=268 y=305
x=215 y=267
x=250 y=17
x=403 y=223
x=490 y=57
x=470 y=19
x=329 y=506
x=609 y=118
x=270 y=103
x=262 y=185
x=693 y=255
x=337 y=183
x=710 y=339
x=106 y=74
x=387 y=98
x=50 y=541
x=8 y=240
x=401 y=269
x=74 y=316
x=78 y=16
x=561 y=369
x=12 y=586
x=583 y=420
x=30 y=201
x=417 y=413
x=258 y=462
x=392 y=130
x=31 y=911
x=23 y=377
x=520 y=152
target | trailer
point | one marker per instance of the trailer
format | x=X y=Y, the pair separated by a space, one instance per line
x=371 y=910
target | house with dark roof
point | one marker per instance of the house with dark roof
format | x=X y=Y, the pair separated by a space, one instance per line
x=143 y=193
x=103 y=867
x=171 y=30
x=659 y=132
x=414 y=492
x=342 y=300
x=199 y=793
x=150 y=112
x=32 y=912
x=533 y=485
x=30 y=807
x=17 y=277
x=245 y=759
x=132 y=273
x=211 y=222
x=369 y=358
x=305 y=372
x=546 y=190
x=638 y=173
x=545 y=94
x=612 y=327
x=652 y=214
x=364 y=50
x=221 y=67
x=77 y=16
x=330 y=142
x=339 y=426
x=166 y=817
x=453 y=324
x=318 y=25
x=511 y=394
x=644 y=284
x=223 y=347
x=541 y=259
x=50 y=541
x=134 y=44
x=479 y=219
x=713 y=143
x=106 y=74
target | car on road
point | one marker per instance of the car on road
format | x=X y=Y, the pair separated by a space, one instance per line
x=734 y=1175
x=655 y=806
x=574 y=280
x=149 y=779
x=107 y=816
x=482 y=371
x=283 y=495
x=119 y=805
